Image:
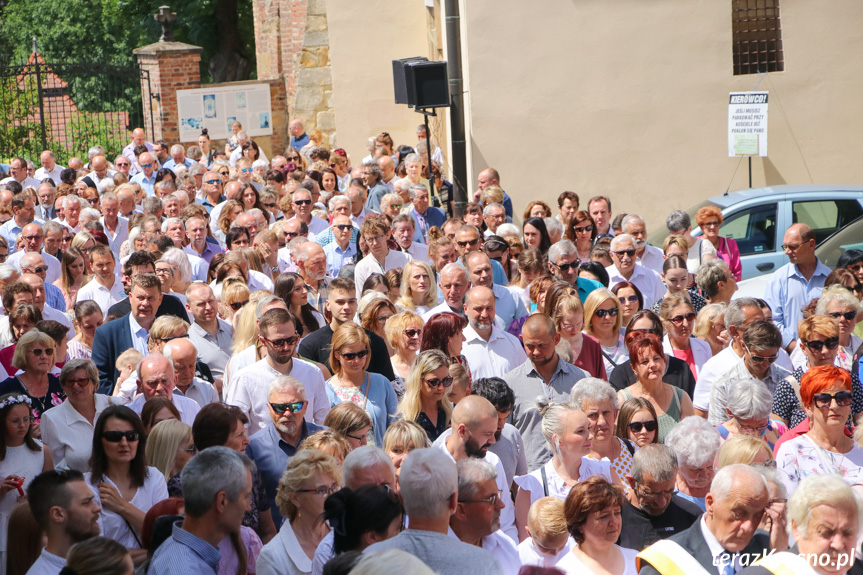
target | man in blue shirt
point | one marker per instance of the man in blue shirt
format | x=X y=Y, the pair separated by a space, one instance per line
x=146 y=178
x=563 y=264
x=299 y=137
x=178 y=157
x=217 y=489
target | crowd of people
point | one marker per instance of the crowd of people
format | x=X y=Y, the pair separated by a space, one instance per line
x=216 y=362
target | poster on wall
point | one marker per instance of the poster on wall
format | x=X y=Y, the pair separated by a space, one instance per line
x=217 y=108
x=747 y=124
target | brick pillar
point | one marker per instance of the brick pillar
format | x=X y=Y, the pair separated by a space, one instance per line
x=173 y=66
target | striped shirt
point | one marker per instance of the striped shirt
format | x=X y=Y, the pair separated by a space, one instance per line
x=184 y=553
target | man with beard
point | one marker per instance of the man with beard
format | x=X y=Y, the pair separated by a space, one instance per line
x=649 y=256
x=272 y=447
x=248 y=386
x=652 y=510
x=312 y=267
x=67 y=512
x=490 y=351
x=474 y=424
x=544 y=375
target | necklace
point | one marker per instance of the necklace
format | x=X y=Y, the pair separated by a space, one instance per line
x=41 y=400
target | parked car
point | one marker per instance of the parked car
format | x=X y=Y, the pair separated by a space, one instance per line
x=758 y=217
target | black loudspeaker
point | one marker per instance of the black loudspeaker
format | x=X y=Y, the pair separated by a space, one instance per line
x=427 y=83
x=400 y=82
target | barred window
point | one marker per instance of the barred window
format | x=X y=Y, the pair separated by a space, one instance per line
x=756 y=37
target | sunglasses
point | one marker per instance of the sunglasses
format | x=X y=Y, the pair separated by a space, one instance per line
x=679 y=319
x=362 y=354
x=760 y=359
x=67 y=238
x=225 y=173
x=40 y=269
x=145 y=166
x=173 y=337
x=270 y=206
x=211 y=182
x=38 y=351
x=32 y=238
x=434 y=382
x=584 y=229
x=119 y=165
x=395 y=206
x=80 y=382
x=412 y=332
x=302 y=202
x=247 y=170
x=343 y=227
x=93 y=201
x=293 y=158
x=470 y=243
x=237 y=305
x=830 y=343
x=282 y=342
x=117 y=436
x=627 y=253
x=636 y=426
x=630 y=299
x=848 y=315
x=843 y=399
x=566 y=267
x=294 y=407
x=603 y=312
x=292 y=234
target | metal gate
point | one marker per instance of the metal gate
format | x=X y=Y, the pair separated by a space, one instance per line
x=70 y=107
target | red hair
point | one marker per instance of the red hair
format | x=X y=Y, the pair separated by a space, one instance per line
x=439 y=328
x=170 y=506
x=817 y=379
x=639 y=341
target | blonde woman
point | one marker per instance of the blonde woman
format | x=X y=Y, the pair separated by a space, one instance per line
x=426 y=398
x=169 y=448
x=710 y=327
x=745 y=449
x=165 y=329
x=404 y=335
x=329 y=442
x=418 y=289
x=235 y=295
x=402 y=437
x=602 y=319
x=85 y=242
x=229 y=213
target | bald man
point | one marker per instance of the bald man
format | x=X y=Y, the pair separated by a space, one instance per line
x=48 y=312
x=508 y=306
x=139 y=138
x=184 y=357
x=299 y=137
x=34 y=243
x=490 y=350
x=156 y=378
x=34 y=263
x=491 y=177
x=795 y=284
x=146 y=178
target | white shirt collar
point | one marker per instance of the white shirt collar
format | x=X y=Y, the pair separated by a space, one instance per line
x=713 y=543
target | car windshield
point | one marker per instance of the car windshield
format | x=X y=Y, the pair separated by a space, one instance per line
x=657 y=236
x=847 y=238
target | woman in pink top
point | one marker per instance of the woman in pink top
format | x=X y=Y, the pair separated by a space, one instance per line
x=709 y=219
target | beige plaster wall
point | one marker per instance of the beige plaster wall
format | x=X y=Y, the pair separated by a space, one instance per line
x=364 y=38
x=629 y=99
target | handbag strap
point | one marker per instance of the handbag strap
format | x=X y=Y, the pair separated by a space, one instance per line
x=544 y=481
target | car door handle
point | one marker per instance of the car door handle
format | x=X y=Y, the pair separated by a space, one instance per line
x=765 y=266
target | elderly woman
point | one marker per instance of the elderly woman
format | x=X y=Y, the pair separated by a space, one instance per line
x=825 y=393
x=648 y=363
x=349 y=357
x=418 y=290
x=695 y=442
x=709 y=219
x=593 y=518
x=710 y=327
x=678 y=317
x=819 y=342
x=404 y=334
x=566 y=429
x=598 y=400
x=179 y=261
x=602 y=320
x=34 y=354
x=402 y=437
x=839 y=303
x=310 y=478
x=426 y=389
x=749 y=405
x=68 y=428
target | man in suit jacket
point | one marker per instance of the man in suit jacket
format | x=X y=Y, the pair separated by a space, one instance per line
x=724 y=539
x=131 y=330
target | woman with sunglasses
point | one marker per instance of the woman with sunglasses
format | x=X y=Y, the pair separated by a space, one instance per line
x=123 y=485
x=235 y=294
x=636 y=422
x=819 y=344
x=72 y=275
x=426 y=388
x=34 y=354
x=678 y=317
x=602 y=320
x=631 y=301
x=582 y=232
x=749 y=405
x=709 y=219
x=404 y=335
x=839 y=303
x=825 y=449
x=349 y=357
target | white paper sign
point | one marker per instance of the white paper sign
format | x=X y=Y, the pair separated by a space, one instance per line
x=747 y=124
x=217 y=108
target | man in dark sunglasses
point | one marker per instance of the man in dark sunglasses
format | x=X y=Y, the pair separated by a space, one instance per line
x=652 y=510
x=248 y=387
x=157 y=378
x=563 y=264
x=625 y=268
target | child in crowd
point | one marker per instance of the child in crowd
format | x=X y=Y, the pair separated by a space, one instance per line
x=549 y=539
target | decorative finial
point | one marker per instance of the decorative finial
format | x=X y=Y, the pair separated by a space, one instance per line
x=166 y=18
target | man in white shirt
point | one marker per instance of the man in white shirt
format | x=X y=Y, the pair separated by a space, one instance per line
x=649 y=256
x=50 y=168
x=376 y=232
x=248 y=387
x=489 y=350
x=184 y=357
x=24 y=210
x=18 y=173
x=301 y=201
x=404 y=232
x=139 y=138
x=34 y=237
x=104 y=288
x=116 y=226
x=454 y=282
x=68 y=513
x=646 y=280
x=210 y=334
x=156 y=377
x=357 y=195
x=507 y=305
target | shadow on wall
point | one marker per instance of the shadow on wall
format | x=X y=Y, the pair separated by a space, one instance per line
x=772 y=177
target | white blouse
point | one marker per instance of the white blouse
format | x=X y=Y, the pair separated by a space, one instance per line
x=572 y=565
x=69 y=435
x=532 y=482
x=284 y=555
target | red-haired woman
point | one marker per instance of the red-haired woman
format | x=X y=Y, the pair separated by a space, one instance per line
x=648 y=363
x=443 y=331
x=709 y=219
x=825 y=449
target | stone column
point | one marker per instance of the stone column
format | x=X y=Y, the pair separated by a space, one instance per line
x=173 y=66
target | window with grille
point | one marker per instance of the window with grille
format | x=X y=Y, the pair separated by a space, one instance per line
x=756 y=37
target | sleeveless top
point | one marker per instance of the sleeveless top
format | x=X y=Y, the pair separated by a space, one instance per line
x=671 y=416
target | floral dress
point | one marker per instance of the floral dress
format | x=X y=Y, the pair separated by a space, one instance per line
x=38 y=405
x=800 y=457
x=786 y=403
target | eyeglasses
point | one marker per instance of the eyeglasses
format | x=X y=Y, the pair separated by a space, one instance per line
x=565 y=267
x=117 y=436
x=600 y=313
x=679 y=319
x=237 y=305
x=302 y=202
x=67 y=238
x=213 y=182
x=848 y=315
x=434 y=382
x=711 y=224
x=294 y=407
x=288 y=341
x=191 y=449
x=32 y=238
x=467 y=243
x=843 y=399
x=493 y=498
x=627 y=253
x=759 y=429
x=80 y=382
x=656 y=495
x=374 y=239
x=354 y=437
x=38 y=351
x=38 y=270
x=145 y=166
x=119 y=165
x=758 y=358
x=412 y=332
x=583 y=229
x=323 y=490
x=830 y=343
x=636 y=426
x=343 y=227
x=163 y=271
x=247 y=170
x=630 y=299
x=361 y=354
x=791 y=247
